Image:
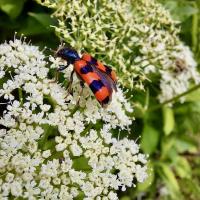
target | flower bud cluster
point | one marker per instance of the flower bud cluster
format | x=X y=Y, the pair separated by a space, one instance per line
x=139 y=37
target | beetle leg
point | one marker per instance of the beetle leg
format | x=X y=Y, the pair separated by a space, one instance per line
x=69 y=86
x=81 y=92
x=59 y=69
x=62 y=67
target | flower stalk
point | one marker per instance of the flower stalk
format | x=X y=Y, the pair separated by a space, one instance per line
x=174 y=99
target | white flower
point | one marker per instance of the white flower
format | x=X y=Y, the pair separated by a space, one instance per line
x=76 y=150
x=46 y=153
x=176 y=77
x=16 y=189
x=53 y=149
x=141 y=174
x=9 y=177
x=112 y=196
x=61 y=147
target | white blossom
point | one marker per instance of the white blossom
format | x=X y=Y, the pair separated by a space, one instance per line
x=52 y=148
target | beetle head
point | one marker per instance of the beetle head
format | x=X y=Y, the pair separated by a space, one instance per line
x=68 y=54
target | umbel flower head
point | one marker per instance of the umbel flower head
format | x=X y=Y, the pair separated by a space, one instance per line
x=139 y=38
x=50 y=149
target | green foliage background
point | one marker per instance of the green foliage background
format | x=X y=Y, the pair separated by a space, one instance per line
x=169 y=135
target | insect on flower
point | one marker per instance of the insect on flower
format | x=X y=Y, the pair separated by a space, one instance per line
x=100 y=78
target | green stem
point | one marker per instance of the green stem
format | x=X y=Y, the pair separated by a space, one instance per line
x=83 y=133
x=147 y=99
x=174 y=98
x=48 y=130
x=194 y=30
x=51 y=101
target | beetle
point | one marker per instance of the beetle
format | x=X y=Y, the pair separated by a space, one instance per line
x=100 y=78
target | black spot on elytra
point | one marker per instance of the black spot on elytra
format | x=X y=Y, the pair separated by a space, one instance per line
x=106 y=100
x=96 y=85
x=86 y=69
x=108 y=69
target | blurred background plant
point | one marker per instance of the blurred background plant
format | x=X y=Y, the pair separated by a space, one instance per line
x=170 y=135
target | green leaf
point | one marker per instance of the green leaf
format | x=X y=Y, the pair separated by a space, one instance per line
x=80 y=196
x=81 y=163
x=188 y=117
x=183 y=168
x=193 y=96
x=37 y=23
x=125 y=198
x=43 y=19
x=166 y=144
x=169 y=178
x=191 y=188
x=150 y=138
x=12 y=8
x=186 y=145
x=32 y=27
x=168 y=120
x=180 y=10
x=43 y=142
x=168 y=150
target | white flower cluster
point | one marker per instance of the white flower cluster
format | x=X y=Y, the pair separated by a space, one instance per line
x=154 y=35
x=139 y=38
x=161 y=52
x=52 y=149
x=176 y=76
